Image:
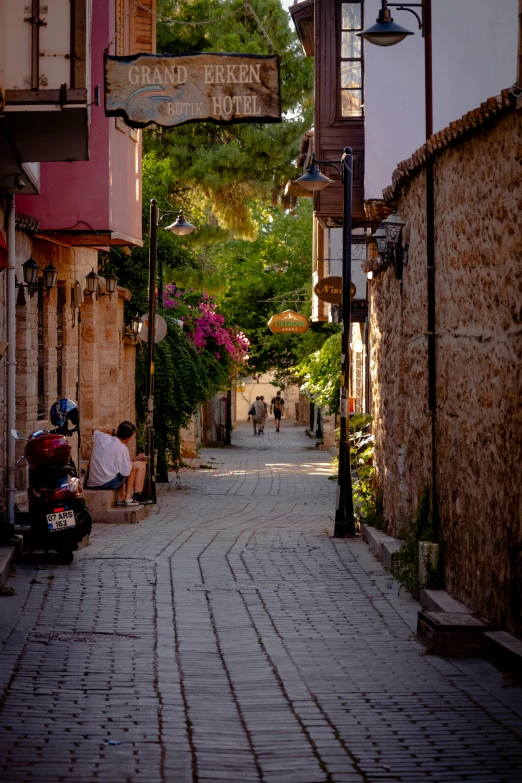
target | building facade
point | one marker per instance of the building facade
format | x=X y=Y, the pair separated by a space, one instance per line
x=79 y=199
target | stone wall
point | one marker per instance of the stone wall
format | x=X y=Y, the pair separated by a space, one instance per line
x=478 y=246
x=107 y=360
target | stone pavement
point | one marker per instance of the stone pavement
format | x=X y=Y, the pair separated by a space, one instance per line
x=229 y=639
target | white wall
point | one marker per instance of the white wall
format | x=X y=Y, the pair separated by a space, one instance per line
x=474 y=58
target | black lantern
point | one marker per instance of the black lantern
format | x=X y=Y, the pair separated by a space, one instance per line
x=31 y=270
x=111 y=283
x=380 y=240
x=181 y=227
x=313 y=179
x=50 y=275
x=91 y=281
x=385 y=32
x=136 y=324
x=393 y=226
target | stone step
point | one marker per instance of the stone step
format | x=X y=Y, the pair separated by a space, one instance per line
x=21 y=502
x=504 y=651
x=120 y=515
x=7 y=556
x=99 y=499
x=452 y=634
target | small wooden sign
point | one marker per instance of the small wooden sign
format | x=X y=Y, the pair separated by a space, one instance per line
x=171 y=90
x=330 y=289
x=288 y=322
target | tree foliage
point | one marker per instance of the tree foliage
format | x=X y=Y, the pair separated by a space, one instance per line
x=320 y=374
x=260 y=278
x=225 y=166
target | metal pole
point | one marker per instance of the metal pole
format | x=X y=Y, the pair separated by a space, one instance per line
x=344 y=518
x=430 y=255
x=228 y=422
x=11 y=369
x=153 y=251
x=160 y=282
x=79 y=388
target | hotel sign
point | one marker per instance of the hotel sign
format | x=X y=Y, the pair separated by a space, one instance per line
x=171 y=90
x=288 y=322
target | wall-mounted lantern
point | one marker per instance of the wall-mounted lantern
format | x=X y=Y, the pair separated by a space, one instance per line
x=388 y=240
x=133 y=329
x=91 y=281
x=136 y=324
x=31 y=270
x=50 y=275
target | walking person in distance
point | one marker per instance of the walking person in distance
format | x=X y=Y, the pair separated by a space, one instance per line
x=278 y=406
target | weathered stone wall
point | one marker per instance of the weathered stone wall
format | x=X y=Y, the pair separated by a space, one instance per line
x=478 y=203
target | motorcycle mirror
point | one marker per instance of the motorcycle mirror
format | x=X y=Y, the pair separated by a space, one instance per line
x=16 y=435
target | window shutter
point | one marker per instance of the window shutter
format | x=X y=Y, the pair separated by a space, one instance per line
x=144 y=27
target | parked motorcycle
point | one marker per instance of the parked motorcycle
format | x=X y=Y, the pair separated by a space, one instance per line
x=58 y=516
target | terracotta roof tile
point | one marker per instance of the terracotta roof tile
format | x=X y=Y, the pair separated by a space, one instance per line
x=474 y=120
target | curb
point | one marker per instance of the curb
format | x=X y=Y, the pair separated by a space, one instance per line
x=7 y=556
x=499 y=648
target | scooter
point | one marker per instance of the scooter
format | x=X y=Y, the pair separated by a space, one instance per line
x=58 y=517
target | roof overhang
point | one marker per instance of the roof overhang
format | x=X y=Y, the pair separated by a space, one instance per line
x=303 y=17
x=95 y=239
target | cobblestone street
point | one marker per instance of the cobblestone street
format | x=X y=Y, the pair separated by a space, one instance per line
x=229 y=639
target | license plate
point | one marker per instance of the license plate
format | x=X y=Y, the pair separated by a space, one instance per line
x=60 y=520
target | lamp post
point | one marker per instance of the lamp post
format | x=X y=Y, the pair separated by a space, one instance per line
x=180 y=227
x=314 y=180
x=386 y=33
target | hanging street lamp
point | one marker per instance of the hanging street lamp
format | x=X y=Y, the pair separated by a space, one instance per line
x=385 y=32
x=181 y=227
x=314 y=180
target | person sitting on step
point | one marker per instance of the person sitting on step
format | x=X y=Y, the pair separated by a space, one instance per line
x=111 y=466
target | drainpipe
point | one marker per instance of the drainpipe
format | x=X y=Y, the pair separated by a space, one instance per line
x=519 y=61
x=11 y=368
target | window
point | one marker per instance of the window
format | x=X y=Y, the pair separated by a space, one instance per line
x=351 y=65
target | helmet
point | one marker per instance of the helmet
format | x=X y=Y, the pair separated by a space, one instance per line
x=64 y=411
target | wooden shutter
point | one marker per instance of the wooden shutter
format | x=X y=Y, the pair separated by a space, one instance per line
x=143 y=28
x=120 y=28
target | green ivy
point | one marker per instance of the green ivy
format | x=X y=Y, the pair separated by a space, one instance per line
x=184 y=379
x=406 y=560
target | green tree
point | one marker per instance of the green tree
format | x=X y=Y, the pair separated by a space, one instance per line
x=320 y=374
x=224 y=167
x=268 y=275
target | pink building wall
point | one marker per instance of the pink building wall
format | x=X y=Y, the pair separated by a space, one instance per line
x=105 y=191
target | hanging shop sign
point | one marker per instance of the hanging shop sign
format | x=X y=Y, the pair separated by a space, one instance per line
x=330 y=289
x=171 y=90
x=160 y=328
x=288 y=322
